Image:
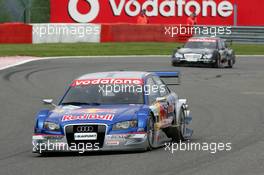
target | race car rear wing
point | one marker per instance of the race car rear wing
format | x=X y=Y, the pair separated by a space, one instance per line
x=169 y=77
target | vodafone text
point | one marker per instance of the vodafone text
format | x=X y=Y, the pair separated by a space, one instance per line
x=154 y=8
x=107 y=81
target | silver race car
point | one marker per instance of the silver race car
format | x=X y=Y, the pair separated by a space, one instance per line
x=210 y=51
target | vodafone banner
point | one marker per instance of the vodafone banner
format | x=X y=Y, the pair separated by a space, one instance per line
x=210 y=12
x=218 y=12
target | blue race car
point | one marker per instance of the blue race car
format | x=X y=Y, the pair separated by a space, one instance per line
x=114 y=111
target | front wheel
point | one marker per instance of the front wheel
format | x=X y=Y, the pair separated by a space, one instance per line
x=179 y=135
x=150 y=133
x=230 y=63
x=175 y=64
x=177 y=130
x=217 y=63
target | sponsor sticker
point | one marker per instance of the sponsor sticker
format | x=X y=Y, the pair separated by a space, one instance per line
x=106 y=81
x=112 y=143
x=85 y=136
x=95 y=110
x=202 y=40
x=108 y=117
x=117 y=137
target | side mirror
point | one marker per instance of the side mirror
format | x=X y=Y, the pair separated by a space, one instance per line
x=161 y=99
x=47 y=101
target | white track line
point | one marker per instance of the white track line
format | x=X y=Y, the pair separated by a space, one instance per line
x=134 y=56
x=121 y=56
x=18 y=63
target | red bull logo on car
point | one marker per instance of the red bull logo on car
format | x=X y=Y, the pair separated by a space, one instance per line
x=108 y=117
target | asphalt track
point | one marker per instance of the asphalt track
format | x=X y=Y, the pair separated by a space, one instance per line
x=227 y=106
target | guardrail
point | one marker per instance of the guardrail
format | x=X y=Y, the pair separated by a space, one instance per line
x=57 y=33
x=244 y=34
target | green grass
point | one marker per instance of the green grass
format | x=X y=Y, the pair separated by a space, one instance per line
x=78 y=49
x=248 y=49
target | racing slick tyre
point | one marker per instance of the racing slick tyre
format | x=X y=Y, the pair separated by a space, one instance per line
x=217 y=64
x=177 y=130
x=179 y=135
x=150 y=133
x=175 y=64
x=230 y=63
x=44 y=154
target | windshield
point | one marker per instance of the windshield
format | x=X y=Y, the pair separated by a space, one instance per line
x=99 y=95
x=200 y=45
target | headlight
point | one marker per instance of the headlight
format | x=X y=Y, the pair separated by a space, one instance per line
x=208 y=56
x=125 y=125
x=178 y=55
x=51 y=126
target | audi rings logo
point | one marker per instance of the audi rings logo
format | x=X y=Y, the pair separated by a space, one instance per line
x=85 y=129
x=84 y=18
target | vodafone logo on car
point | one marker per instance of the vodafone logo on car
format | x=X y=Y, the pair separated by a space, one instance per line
x=107 y=81
x=165 y=8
